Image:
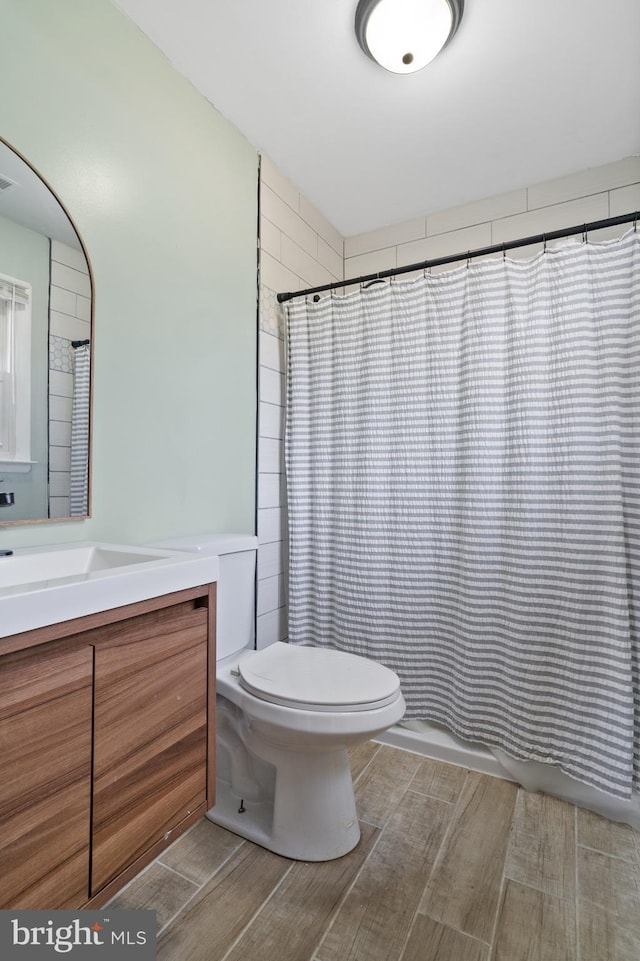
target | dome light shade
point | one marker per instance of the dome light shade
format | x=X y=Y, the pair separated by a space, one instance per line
x=405 y=35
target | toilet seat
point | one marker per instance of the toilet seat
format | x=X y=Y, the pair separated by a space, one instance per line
x=317 y=679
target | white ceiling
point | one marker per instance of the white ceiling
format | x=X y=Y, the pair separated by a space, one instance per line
x=528 y=90
x=30 y=202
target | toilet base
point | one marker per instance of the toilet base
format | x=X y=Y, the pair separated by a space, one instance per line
x=313 y=813
x=253 y=823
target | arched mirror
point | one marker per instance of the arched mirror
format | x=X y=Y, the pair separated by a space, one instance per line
x=46 y=314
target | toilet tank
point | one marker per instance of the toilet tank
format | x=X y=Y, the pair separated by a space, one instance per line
x=235 y=596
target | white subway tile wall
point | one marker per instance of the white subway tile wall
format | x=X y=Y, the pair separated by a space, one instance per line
x=587 y=195
x=69 y=319
x=300 y=249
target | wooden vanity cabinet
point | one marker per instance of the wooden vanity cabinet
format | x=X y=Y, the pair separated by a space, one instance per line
x=45 y=789
x=150 y=732
x=107 y=744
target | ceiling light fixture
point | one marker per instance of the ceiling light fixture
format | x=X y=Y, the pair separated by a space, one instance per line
x=405 y=35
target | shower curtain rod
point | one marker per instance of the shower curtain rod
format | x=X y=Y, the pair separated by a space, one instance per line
x=469 y=255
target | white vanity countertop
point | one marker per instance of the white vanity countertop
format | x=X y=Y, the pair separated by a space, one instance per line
x=47 y=585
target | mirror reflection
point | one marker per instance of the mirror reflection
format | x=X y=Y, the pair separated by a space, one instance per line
x=45 y=352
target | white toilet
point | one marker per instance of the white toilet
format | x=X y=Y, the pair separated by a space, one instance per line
x=285 y=718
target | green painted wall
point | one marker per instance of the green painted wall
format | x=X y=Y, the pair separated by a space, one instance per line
x=163 y=192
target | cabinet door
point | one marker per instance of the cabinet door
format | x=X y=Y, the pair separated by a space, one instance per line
x=45 y=742
x=150 y=732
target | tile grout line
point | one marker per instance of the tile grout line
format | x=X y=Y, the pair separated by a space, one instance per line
x=369 y=762
x=503 y=884
x=532 y=887
x=493 y=940
x=136 y=877
x=199 y=887
x=314 y=954
x=258 y=911
x=607 y=854
x=436 y=860
x=380 y=829
x=410 y=930
x=434 y=797
x=431 y=797
x=445 y=836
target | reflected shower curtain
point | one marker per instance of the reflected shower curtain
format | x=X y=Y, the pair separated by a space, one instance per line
x=79 y=482
x=463 y=481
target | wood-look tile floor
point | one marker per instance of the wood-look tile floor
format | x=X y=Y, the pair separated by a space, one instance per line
x=451 y=866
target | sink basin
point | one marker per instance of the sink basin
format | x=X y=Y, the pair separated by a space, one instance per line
x=53 y=564
x=40 y=586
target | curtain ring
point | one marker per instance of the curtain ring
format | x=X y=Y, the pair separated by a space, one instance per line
x=468 y=258
x=584 y=233
x=316 y=298
x=504 y=251
x=635 y=223
x=544 y=243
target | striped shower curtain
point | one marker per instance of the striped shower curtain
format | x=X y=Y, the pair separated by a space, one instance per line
x=462 y=456
x=79 y=482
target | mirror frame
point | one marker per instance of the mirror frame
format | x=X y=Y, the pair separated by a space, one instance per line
x=76 y=517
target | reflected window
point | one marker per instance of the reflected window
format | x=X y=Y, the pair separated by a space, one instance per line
x=15 y=374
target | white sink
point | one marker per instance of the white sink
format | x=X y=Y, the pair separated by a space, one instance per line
x=46 y=565
x=40 y=586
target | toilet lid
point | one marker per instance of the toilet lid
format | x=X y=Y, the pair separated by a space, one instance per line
x=317 y=679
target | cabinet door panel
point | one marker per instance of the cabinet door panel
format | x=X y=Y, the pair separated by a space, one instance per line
x=150 y=732
x=45 y=742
